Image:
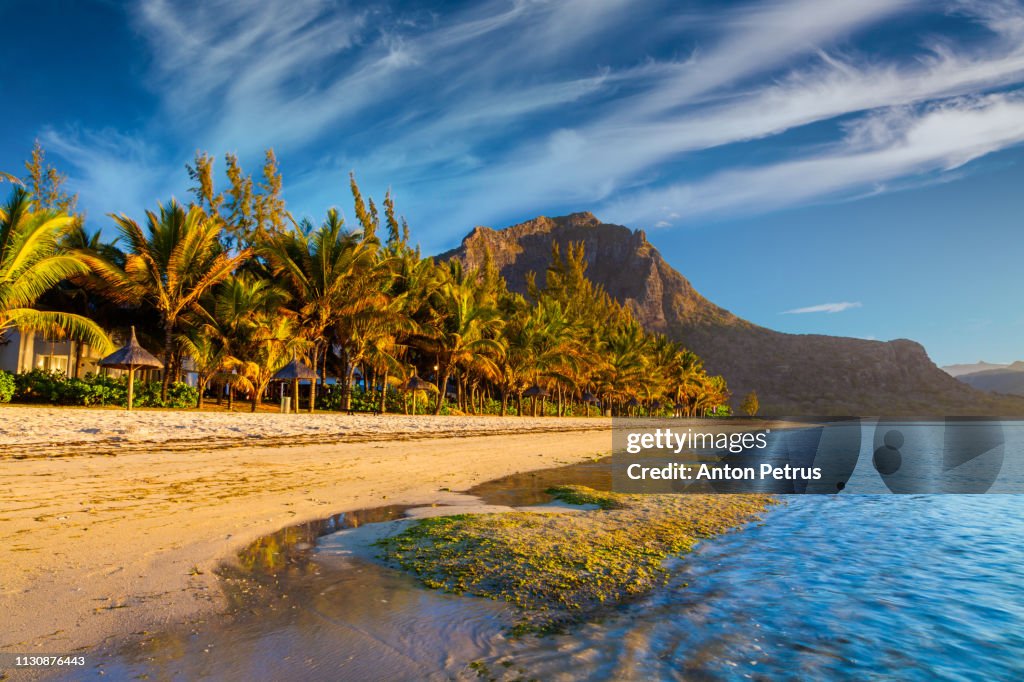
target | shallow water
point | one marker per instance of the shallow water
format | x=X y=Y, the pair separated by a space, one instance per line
x=926 y=587
x=848 y=586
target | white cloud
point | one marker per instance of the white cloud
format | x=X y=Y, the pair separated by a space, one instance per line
x=429 y=103
x=824 y=308
x=114 y=172
x=888 y=146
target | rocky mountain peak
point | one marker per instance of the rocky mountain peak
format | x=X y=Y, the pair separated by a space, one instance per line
x=792 y=373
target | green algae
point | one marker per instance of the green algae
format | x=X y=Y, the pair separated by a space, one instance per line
x=559 y=569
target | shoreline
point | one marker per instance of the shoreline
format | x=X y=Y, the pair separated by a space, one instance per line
x=99 y=547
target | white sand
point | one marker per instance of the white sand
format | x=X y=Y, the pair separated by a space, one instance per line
x=55 y=431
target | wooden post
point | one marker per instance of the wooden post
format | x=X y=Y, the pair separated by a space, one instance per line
x=131 y=386
x=295 y=396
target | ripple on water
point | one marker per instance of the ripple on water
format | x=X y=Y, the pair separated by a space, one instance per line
x=920 y=587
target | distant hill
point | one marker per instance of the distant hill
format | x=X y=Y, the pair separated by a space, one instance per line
x=792 y=373
x=979 y=366
x=1007 y=379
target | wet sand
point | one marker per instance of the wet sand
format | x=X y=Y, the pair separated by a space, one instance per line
x=122 y=532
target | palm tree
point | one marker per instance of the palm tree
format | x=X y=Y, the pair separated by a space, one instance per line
x=260 y=334
x=462 y=328
x=209 y=354
x=331 y=275
x=32 y=261
x=624 y=357
x=686 y=374
x=170 y=265
x=272 y=344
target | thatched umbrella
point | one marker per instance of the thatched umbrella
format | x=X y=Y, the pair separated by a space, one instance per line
x=535 y=392
x=294 y=371
x=589 y=399
x=416 y=384
x=131 y=357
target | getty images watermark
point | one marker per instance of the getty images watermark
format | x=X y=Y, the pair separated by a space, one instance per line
x=818 y=455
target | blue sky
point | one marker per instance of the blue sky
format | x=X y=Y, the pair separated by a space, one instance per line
x=816 y=166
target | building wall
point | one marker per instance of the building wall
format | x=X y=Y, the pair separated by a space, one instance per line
x=25 y=351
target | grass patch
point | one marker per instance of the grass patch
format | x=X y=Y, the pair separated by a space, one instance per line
x=562 y=568
x=579 y=495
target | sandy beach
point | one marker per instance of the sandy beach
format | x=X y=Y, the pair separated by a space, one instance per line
x=113 y=523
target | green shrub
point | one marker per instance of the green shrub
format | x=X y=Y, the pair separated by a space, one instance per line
x=6 y=387
x=178 y=395
x=53 y=388
x=39 y=386
x=332 y=397
x=721 y=411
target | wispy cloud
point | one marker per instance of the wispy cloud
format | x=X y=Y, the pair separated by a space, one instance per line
x=824 y=308
x=889 y=145
x=113 y=171
x=518 y=107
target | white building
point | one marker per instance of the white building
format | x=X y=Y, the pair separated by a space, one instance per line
x=24 y=351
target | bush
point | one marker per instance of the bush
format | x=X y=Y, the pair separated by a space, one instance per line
x=39 y=386
x=53 y=388
x=93 y=390
x=178 y=395
x=6 y=387
x=721 y=411
x=332 y=397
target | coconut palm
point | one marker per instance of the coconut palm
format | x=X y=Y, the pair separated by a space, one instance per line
x=209 y=353
x=260 y=333
x=461 y=328
x=169 y=265
x=32 y=261
x=625 y=362
x=331 y=275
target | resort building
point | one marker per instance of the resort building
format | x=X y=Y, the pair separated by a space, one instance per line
x=23 y=351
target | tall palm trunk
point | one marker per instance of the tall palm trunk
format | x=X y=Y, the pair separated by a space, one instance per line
x=350 y=374
x=168 y=352
x=384 y=394
x=442 y=385
x=312 y=383
x=78 y=359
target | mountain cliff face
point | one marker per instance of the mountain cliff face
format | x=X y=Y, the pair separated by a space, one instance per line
x=792 y=374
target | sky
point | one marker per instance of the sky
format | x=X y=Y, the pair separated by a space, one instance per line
x=815 y=166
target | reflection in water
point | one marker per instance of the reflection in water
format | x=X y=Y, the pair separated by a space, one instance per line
x=529 y=488
x=293 y=547
x=850 y=587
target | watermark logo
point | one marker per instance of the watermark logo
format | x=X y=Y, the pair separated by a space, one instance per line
x=816 y=456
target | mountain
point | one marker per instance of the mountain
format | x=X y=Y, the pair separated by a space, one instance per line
x=805 y=374
x=979 y=366
x=1008 y=379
